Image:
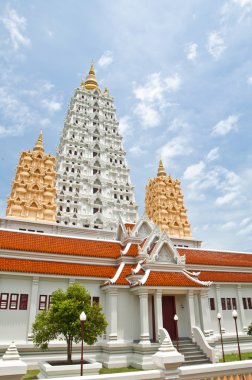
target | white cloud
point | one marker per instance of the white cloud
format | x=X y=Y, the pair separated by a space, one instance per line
x=215 y=45
x=152 y=97
x=149 y=116
x=137 y=150
x=249 y=81
x=125 y=126
x=244 y=3
x=246 y=230
x=177 y=125
x=178 y=146
x=213 y=154
x=191 y=51
x=51 y=105
x=228 y=198
x=106 y=59
x=225 y=126
x=16 y=26
x=194 y=171
x=173 y=82
x=228 y=226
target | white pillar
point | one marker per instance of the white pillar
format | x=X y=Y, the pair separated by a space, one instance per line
x=144 y=317
x=191 y=316
x=240 y=309
x=112 y=313
x=205 y=313
x=158 y=311
x=33 y=305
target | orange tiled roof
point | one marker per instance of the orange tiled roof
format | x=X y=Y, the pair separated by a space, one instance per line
x=125 y=272
x=170 y=279
x=58 y=268
x=225 y=277
x=133 y=250
x=53 y=244
x=202 y=257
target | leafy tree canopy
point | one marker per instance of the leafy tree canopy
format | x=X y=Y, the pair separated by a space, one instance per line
x=62 y=320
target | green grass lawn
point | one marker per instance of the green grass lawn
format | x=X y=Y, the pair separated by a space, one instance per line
x=32 y=374
x=104 y=371
x=235 y=357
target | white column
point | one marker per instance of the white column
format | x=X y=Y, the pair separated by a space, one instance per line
x=33 y=305
x=240 y=309
x=158 y=311
x=144 y=317
x=191 y=316
x=112 y=313
x=205 y=314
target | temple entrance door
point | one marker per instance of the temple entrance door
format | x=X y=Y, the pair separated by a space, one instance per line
x=169 y=310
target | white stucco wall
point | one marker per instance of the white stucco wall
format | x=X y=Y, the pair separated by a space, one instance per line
x=128 y=315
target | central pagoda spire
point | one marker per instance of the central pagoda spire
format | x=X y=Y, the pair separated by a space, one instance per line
x=161 y=170
x=39 y=143
x=93 y=181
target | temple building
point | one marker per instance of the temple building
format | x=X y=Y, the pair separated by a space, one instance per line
x=93 y=182
x=141 y=271
x=165 y=206
x=33 y=193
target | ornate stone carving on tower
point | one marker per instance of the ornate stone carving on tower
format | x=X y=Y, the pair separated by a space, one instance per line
x=93 y=182
x=165 y=206
x=33 y=190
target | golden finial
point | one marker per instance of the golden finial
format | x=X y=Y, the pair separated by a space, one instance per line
x=91 y=81
x=161 y=170
x=106 y=91
x=39 y=143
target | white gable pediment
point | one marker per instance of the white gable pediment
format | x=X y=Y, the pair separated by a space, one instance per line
x=143 y=227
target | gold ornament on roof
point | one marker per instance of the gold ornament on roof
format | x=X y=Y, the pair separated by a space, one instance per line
x=161 y=170
x=39 y=143
x=91 y=81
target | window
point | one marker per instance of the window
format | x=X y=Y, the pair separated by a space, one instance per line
x=249 y=303
x=229 y=307
x=23 y=302
x=212 y=303
x=223 y=304
x=95 y=210
x=96 y=300
x=4 y=300
x=13 y=301
x=234 y=304
x=42 y=302
x=245 y=305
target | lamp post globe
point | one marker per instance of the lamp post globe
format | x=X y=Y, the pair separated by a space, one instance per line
x=176 y=323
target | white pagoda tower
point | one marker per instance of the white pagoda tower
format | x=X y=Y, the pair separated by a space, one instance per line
x=93 y=181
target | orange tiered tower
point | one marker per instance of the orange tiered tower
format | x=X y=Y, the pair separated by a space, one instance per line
x=33 y=190
x=164 y=204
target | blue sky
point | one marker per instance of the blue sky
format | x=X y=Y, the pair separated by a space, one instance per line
x=181 y=76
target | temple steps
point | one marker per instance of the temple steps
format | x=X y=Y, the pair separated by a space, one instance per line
x=191 y=351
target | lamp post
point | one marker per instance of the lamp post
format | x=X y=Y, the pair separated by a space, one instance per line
x=235 y=315
x=219 y=319
x=176 y=323
x=82 y=320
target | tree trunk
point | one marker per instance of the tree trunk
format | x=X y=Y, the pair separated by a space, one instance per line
x=69 y=351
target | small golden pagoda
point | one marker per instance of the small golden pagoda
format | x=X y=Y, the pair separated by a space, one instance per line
x=33 y=193
x=164 y=204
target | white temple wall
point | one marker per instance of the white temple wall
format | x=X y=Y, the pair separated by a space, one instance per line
x=128 y=315
x=14 y=323
x=182 y=311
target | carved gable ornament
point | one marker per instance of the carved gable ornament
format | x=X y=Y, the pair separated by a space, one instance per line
x=164 y=252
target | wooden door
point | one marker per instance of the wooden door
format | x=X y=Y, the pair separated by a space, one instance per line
x=169 y=310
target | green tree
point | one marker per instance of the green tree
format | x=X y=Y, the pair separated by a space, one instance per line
x=62 y=320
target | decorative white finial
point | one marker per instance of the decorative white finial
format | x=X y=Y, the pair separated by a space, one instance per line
x=11 y=353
